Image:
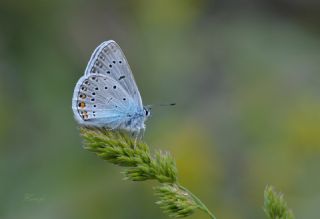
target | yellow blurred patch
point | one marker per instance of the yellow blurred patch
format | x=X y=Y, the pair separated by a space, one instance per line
x=302 y=127
x=197 y=162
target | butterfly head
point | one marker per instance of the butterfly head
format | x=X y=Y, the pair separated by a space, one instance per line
x=147 y=111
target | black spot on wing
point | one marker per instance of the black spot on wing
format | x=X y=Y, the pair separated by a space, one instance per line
x=129 y=122
x=122 y=77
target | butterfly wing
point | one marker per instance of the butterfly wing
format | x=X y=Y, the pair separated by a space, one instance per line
x=100 y=100
x=108 y=59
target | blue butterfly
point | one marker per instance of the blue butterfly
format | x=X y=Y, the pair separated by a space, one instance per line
x=107 y=95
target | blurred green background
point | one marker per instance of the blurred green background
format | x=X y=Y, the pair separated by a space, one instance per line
x=245 y=75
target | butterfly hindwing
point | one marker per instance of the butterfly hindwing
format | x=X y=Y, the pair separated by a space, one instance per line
x=99 y=100
x=108 y=59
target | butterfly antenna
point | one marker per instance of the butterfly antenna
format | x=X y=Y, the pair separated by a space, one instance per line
x=161 y=104
x=167 y=104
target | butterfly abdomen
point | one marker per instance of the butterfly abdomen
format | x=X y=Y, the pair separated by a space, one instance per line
x=134 y=122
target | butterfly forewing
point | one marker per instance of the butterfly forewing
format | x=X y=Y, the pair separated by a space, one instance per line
x=108 y=59
x=101 y=100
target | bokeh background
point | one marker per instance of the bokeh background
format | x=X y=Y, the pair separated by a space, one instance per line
x=245 y=75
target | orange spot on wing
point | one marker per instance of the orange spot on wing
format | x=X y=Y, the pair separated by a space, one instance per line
x=82 y=105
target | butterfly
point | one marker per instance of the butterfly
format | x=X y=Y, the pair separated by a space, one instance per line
x=107 y=95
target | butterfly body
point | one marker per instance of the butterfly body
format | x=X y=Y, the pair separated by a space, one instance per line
x=107 y=95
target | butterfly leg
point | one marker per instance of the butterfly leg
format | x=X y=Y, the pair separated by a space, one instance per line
x=141 y=133
x=135 y=135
